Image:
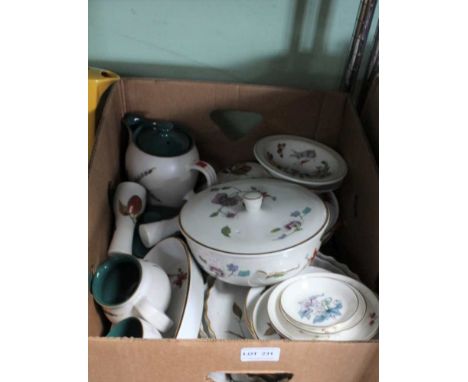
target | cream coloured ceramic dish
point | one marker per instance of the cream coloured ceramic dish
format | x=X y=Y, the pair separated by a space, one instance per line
x=186 y=305
x=223 y=315
x=301 y=160
x=254 y=232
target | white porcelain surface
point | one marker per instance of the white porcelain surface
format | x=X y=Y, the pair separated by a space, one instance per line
x=242 y=170
x=151 y=233
x=364 y=330
x=186 y=305
x=223 y=315
x=301 y=160
x=167 y=179
x=260 y=246
x=129 y=203
x=322 y=305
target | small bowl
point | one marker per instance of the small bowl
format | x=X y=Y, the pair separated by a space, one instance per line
x=301 y=160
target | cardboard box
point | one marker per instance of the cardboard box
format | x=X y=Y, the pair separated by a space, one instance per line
x=328 y=117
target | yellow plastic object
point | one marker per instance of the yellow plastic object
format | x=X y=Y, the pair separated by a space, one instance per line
x=98 y=82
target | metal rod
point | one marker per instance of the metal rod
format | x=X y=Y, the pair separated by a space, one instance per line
x=356 y=53
x=371 y=70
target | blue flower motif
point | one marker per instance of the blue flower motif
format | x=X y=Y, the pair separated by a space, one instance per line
x=295 y=214
x=306 y=210
x=232 y=268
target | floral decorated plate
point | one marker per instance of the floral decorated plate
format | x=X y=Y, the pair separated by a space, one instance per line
x=223 y=315
x=322 y=305
x=242 y=170
x=301 y=160
x=364 y=330
x=186 y=305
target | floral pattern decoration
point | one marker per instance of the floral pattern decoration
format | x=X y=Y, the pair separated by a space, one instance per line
x=319 y=310
x=238 y=169
x=303 y=156
x=178 y=278
x=133 y=208
x=294 y=225
x=320 y=171
x=231 y=269
x=279 y=149
x=238 y=316
x=229 y=200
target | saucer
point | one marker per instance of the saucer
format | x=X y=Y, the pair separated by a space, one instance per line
x=261 y=324
x=332 y=327
x=224 y=316
x=254 y=294
x=186 y=305
x=364 y=330
x=318 y=303
x=302 y=161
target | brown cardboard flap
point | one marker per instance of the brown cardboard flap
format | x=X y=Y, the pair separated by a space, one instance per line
x=191 y=360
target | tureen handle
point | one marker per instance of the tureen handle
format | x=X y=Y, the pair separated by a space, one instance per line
x=252 y=200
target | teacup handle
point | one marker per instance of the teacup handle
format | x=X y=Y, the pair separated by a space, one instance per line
x=152 y=315
x=207 y=170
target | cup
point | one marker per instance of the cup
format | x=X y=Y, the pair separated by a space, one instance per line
x=133 y=327
x=125 y=286
x=129 y=203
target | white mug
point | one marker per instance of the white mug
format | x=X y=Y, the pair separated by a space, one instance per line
x=129 y=203
x=133 y=327
x=125 y=286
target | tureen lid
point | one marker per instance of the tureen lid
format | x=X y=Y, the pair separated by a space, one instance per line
x=253 y=216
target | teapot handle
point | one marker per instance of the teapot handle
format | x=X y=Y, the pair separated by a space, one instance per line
x=207 y=170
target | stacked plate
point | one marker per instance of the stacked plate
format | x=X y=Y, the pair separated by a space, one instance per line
x=315 y=306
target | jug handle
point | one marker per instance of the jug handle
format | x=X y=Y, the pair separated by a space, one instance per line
x=207 y=170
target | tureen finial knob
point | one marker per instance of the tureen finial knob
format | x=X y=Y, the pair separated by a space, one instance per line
x=252 y=200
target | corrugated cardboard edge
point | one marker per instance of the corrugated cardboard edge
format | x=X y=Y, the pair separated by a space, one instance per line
x=192 y=360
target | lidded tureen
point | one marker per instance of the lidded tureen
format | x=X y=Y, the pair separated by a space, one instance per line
x=254 y=231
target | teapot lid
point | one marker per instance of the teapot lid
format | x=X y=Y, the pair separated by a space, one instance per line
x=160 y=138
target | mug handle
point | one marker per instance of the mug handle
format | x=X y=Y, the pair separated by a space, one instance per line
x=207 y=170
x=152 y=315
